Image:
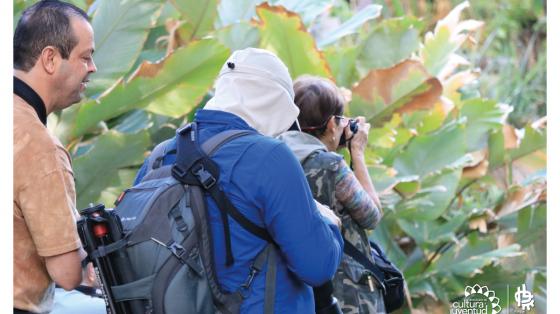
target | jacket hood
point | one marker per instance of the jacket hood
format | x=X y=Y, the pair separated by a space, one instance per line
x=301 y=144
x=255 y=85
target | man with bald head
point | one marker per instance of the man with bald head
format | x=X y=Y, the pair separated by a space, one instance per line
x=53 y=48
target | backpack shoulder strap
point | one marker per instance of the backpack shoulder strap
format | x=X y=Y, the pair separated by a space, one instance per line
x=156 y=157
x=359 y=257
x=194 y=167
x=213 y=144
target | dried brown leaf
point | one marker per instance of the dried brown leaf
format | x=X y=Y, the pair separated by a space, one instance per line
x=479 y=223
x=511 y=140
x=383 y=82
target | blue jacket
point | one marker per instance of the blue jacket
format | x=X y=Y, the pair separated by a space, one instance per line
x=266 y=183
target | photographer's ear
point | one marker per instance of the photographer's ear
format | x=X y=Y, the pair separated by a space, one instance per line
x=332 y=125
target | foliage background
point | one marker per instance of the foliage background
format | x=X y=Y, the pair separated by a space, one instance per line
x=455 y=93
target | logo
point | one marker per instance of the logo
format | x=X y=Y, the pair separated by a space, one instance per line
x=477 y=300
x=524 y=298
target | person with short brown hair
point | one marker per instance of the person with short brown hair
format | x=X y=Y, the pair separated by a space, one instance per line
x=53 y=47
x=348 y=192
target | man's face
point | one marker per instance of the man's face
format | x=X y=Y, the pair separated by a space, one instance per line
x=73 y=72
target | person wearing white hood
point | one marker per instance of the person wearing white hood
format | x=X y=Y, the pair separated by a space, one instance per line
x=265 y=182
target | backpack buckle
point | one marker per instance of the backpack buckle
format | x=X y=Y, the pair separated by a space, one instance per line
x=250 y=278
x=178 y=172
x=177 y=250
x=204 y=177
x=184 y=128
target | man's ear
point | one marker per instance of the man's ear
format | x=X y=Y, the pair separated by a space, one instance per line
x=49 y=59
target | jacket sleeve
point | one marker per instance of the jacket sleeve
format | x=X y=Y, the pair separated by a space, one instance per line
x=312 y=247
x=349 y=192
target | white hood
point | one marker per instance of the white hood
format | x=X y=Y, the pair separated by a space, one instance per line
x=255 y=85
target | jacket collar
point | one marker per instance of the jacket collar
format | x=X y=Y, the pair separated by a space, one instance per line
x=31 y=98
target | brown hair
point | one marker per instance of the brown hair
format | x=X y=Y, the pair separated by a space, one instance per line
x=318 y=99
x=46 y=23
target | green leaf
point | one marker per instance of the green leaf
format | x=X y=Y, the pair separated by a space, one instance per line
x=136 y=121
x=531 y=224
x=468 y=266
x=468 y=256
x=199 y=16
x=432 y=200
x=120 y=31
x=407 y=188
x=533 y=140
x=432 y=152
x=194 y=68
x=384 y=178
x=437 y=50
x=392 y=41
x=178 y=101
x=342 y=62
x=235 y=11
x=123 y=180
x=483 y=116
x=351 y=26
x=429 y=233
x=97 y=168
x=239 y=36
x=383 y=137
x=308 y=10
x=449 y=34
x=432 y=121
x=382 y=236
x=496 y=149
x=284 y=33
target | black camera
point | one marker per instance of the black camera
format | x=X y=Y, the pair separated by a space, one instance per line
x=353 y=125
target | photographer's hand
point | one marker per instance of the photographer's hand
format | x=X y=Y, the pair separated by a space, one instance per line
x=359 y=140
x=358 y=146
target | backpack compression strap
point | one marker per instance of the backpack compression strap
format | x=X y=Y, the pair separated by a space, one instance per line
x=195 y=167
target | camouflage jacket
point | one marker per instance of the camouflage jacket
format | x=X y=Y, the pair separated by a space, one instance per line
x=355 y=289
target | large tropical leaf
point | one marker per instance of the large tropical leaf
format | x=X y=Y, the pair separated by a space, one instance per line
x=239 y=36
x=429 y=233
x=122 y=181
x=351 y=26
x=342 y=61
x=390 y=42
x=382 y=236
x=450 y=33
x=533 y=140
x=284 y=33
x=199 y=17
x=189 y=71
x=405 y=87
x=432 y=198
x=482 y=116
x=120 y=31
x=467 y=265
x=235 y=11
x=432 y=152
x=308 y=10
x=503 y=145
x=97 y=168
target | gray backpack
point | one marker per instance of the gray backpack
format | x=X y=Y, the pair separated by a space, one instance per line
x=167 y=236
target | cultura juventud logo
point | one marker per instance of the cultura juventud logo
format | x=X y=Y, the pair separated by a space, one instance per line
x=477 y=300
x=524 y=298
